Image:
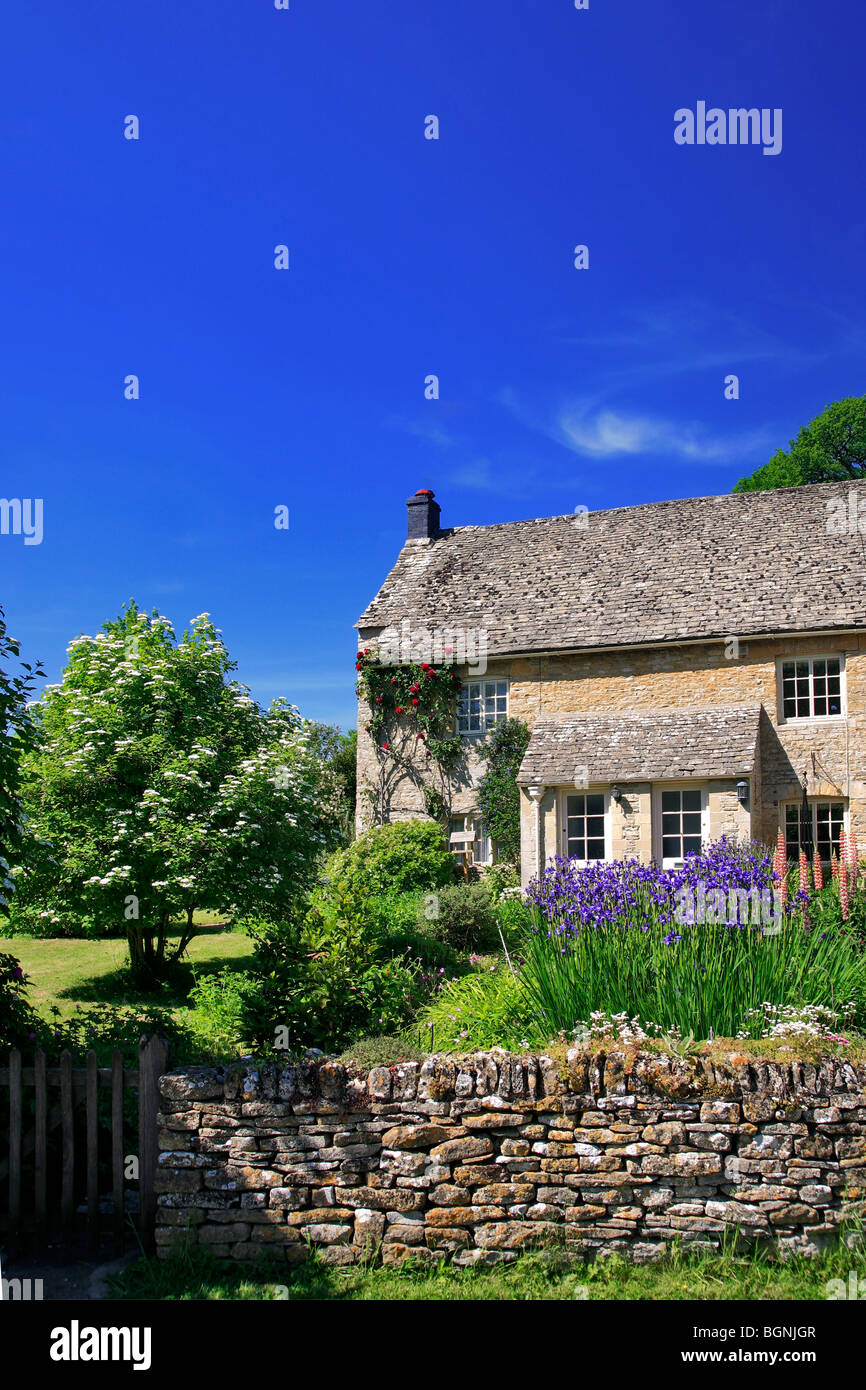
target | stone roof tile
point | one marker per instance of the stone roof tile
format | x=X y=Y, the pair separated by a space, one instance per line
x=704 y=567
x=713 y=741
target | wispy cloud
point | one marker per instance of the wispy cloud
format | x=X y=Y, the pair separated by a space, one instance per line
x=603 y=433
x=429 y=430
x=656 y=341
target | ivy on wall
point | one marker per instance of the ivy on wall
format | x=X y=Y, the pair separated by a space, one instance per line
x=498 y=794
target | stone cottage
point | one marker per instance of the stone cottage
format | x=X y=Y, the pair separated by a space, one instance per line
x=687 y=669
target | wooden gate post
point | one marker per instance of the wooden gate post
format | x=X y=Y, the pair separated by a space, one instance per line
x=15 y=1147
x=152 y=1062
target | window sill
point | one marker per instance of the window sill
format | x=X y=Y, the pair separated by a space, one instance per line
x=813 y=719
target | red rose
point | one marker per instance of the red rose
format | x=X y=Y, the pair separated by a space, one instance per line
x=414 y=702
x=378 y=699
x=386 y=746
x=398 y=709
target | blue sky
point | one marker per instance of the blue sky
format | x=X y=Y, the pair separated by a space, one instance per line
x=305 y=388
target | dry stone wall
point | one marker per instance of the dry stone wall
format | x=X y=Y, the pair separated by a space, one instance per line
x=476 y=1159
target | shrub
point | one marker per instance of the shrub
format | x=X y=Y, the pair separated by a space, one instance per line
x=502 y=877
x=462 y=916
x=217 y=1014
x=481 y=1010
x=401 y=926
x=324 y=981
x=19 y=1024
x=382 y=1050
x=404 y=857
x=514 y=915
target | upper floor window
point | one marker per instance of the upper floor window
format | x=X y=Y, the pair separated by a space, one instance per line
x=812 y=687
x=482 y=704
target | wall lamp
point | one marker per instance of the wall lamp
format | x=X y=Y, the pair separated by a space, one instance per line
x=742 y=793
x=616 y=793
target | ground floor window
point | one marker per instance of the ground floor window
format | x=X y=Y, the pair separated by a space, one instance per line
x=482 y=845
x=585 y=826
x=470 y=842
x=813 y=828
x=680 y=823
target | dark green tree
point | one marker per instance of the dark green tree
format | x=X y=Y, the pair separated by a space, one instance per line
x=18 y=735
x=340 y=752
x=831 y=448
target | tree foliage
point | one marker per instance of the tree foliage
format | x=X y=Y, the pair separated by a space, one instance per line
x=17 y=738
x=831 y=448
x=160 y=787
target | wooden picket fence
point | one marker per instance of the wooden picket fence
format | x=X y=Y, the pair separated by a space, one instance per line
x=45 y=1183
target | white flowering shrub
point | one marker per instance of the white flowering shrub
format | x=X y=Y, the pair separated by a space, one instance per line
x=160 y=787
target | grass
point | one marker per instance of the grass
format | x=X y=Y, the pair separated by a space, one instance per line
x=78 y=970
x=545 y=1275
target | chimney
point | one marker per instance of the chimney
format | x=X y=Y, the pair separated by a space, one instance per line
x=423 y=515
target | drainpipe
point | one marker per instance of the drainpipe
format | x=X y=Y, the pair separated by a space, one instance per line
x=536 y=793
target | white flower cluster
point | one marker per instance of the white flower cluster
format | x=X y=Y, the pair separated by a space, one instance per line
x=605 y=1027
x=801 y=1021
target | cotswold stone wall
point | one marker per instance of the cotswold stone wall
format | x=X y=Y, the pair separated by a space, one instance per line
x=476 y=1159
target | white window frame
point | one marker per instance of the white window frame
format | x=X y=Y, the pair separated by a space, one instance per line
x=498 y=717
x=482 y=838
x=464 y=843
x=602 y=791
x=682 y=786
x=783 y=661
x=814 y=802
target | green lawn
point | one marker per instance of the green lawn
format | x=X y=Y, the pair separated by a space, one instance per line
x=544 y=1275
x=76 y=970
